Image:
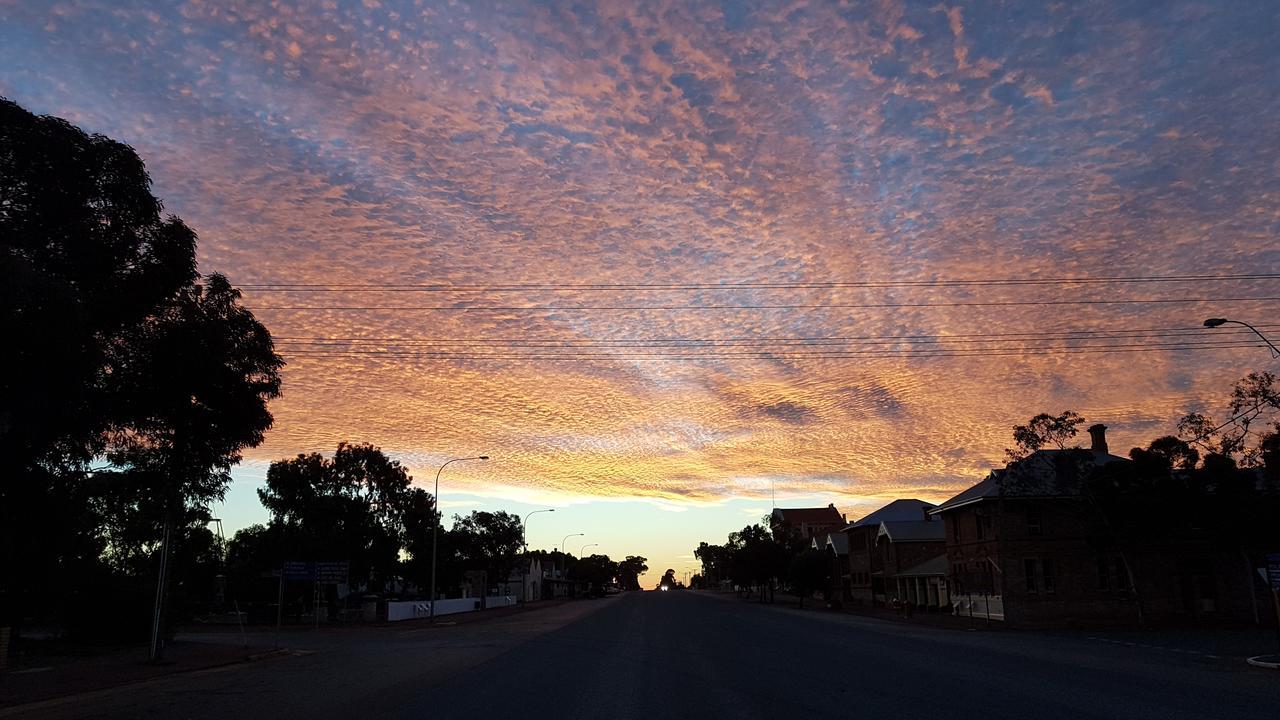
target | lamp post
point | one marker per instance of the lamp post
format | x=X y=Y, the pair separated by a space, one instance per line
x=524 y=572
x=1219 y=322
x=564 y=550
x=584 y=549
x=435 y=528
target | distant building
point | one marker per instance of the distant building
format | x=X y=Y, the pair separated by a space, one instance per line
x=806 y=523
x=866 y=556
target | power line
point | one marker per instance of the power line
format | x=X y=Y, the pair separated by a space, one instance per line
x=1043 y=334
x=798 y=306
x=748 y=285
x=764 y=355
x=743 y=342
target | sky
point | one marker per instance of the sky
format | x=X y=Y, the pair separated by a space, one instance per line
x=666 y=261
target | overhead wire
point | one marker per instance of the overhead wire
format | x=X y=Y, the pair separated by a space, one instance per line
x=787 y=306
x=1057 y=333
x=765 y=354
x=749 y=285
x=748 y=342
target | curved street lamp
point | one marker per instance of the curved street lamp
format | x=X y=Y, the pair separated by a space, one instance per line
x=1219 y=322
x=584 y=549
x=524 y=571
x=524 y=525
x=564 y=550
x=434 y=528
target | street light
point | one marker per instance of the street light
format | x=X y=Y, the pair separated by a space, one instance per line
x=564 y=550
x=584 y=549
x=525 y=525
x=524 y=572
x=1219 y=322
x=436 y=527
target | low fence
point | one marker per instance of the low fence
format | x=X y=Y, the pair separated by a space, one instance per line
x=419 y=609
x=978 y=606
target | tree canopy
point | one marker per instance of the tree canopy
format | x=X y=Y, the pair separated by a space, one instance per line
x=1043 y=431
x=629 y=571
x=352 y=506
x=125 y=357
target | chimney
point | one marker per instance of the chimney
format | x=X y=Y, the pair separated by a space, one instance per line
x=1098 y=438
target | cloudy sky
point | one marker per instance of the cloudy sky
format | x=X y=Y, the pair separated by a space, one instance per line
x=659 y=258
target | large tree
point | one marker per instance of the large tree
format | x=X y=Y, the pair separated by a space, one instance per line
x=808 y=572
x=190 y=392
x=349 y=507
x=87 y=255
x=1044 y=431
x=121 y=355
x=488 y=541
x=629 y=571
x=596 y=571
x=1254 y=398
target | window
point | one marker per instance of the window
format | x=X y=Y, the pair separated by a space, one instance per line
x=1035 y=524
x=1046 y=576
x=980 y=522
x=1104 y=573
x=1029 y=568
x=955 y=529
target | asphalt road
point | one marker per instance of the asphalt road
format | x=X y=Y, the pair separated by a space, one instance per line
x=683 y=654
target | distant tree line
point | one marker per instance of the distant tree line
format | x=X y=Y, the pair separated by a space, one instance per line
x=758 y=560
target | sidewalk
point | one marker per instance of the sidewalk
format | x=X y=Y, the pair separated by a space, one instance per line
x=48 y=671
x=928 y=619
x=1208 y=642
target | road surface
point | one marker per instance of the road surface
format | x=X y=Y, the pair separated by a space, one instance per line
x=689 y=655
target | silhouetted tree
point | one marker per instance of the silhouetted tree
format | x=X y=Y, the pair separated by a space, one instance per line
x=809 y=571
x=1042 y=431
x=756 y=558
x=488 y=541
x=420 y=517
x=124 y=356
x=191 y=389
x=1252 y=397
x=629 y=571
x=596 y=571
x=668 y=578
x=86 y=255
x=715 y=562
x=349 y=507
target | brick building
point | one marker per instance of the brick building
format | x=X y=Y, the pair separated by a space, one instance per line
x=1025 y=546
x=866 y=557
x=806 y=523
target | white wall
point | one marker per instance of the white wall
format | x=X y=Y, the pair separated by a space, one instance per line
x=415 y=610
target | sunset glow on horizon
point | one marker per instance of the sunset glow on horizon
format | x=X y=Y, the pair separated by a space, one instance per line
x=680 y=255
